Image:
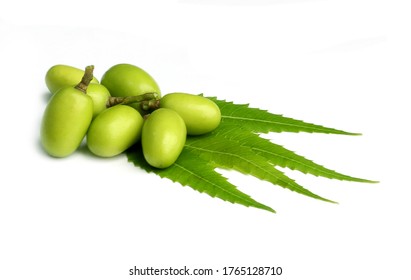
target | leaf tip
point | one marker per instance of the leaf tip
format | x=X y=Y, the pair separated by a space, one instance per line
x=269 y=209
x=354 y=133
x=328 y=200
x=371 y=181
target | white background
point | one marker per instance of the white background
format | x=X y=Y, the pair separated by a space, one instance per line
x=340 y=63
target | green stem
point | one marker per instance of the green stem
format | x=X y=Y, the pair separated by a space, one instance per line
x=149 y=105
x=149 y=98
x=86 y=79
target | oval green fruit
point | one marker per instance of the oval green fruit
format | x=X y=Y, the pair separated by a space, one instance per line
x=65 y=121
x=60 y=75
x=100 y=95
x=114 y=130
x=163 y=137
x=201 y=115
x=128 y=80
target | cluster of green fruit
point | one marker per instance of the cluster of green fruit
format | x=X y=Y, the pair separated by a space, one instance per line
x=124 y=108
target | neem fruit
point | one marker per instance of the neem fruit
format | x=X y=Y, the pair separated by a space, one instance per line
x=163 y=137
x=114 y=130
x=201 y=115
x=128 y=80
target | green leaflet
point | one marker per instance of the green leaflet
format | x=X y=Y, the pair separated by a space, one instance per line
x=189 y=170
x=236 y=145
x=261 y=121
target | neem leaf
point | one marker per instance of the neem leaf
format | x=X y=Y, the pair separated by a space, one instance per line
x=236 y=145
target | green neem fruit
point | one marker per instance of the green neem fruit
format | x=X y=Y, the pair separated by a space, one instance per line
x=163 y=137
x=66 y=118
x=200 y=114
x=100 y=95
x=59 y=76
x=128 y=80
x=65 y=121
x=114 y=130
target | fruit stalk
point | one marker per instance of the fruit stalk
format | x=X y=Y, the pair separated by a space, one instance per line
x=86 y=79
x=148 y=105
x=148 y=98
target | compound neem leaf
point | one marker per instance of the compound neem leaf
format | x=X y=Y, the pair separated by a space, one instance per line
x=236 y=145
